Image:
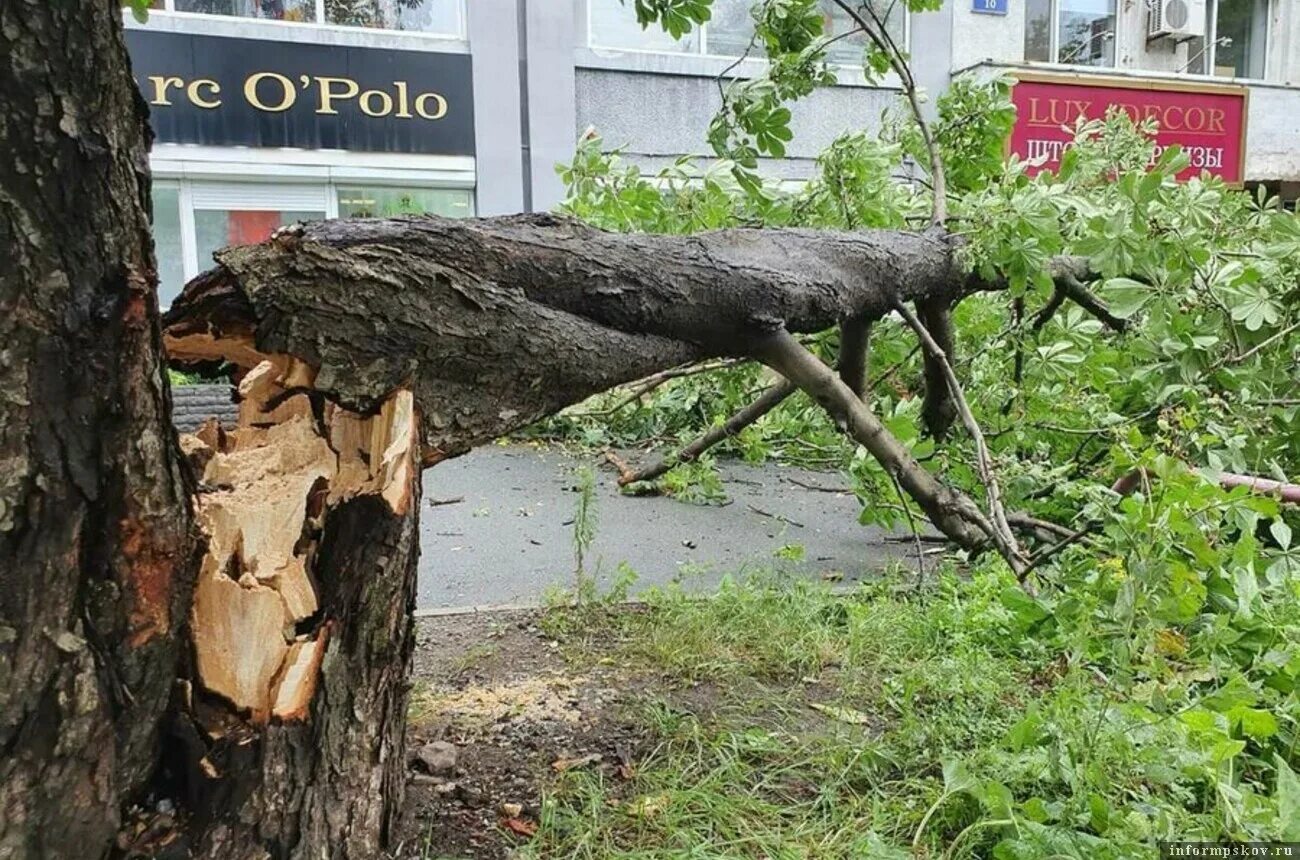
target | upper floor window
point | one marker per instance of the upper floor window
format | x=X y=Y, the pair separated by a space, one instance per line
x=1235 y=43
x=730 y=30
x=1070 y=32
x=426 y=16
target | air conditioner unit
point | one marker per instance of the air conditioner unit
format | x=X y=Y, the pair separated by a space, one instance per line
x=1175 y=19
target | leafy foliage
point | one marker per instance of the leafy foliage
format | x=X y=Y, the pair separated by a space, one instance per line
x=1160 y=650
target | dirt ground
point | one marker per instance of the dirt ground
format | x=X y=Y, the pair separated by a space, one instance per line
x=496 y=688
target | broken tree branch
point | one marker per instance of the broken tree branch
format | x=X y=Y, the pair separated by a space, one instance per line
x=1002 y=535
x=938 y=410
x=1286 y=492
x=772 y=397
x=855 y=352
x=951 y=511
x=1076 y=291
x=1045 y=314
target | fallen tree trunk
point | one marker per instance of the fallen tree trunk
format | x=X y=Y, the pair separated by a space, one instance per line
x=291 y=745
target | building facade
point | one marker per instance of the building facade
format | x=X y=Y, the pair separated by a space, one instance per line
x=271 y=111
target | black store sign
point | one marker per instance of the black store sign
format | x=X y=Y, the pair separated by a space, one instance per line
x=223 y=92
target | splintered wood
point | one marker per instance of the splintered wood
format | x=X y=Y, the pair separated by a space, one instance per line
x=269 y=486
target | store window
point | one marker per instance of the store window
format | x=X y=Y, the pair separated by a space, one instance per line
x=730 y=30
x=214 y=229
x=1070 y=32
x=1236 y=40
x=441 y=17
x=192 y=220
x=276 y=10
x=428 y=16
x=167 y=241
x=371 y=202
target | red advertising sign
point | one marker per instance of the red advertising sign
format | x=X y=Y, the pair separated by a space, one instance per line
x=1207 y=120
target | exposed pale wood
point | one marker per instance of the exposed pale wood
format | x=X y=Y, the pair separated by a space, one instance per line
x=238 y=639
x=297 y=682
x=294 y=584
x=202 y=346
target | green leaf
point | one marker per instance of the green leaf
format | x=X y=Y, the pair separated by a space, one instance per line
x=1126 y=296
x=957 y=779
x=1281 y=533
x=1288 y=802
x=1256 y=723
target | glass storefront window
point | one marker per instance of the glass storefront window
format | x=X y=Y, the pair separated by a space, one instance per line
x=614 y=25
x=167 y=241
x=428 y=16
x=1240 y=37
x=377 y=202
x=214 y=229
x=731 y=28
x=441 y=17
x=1070 y=32
x=276 y=10
x=1086 y=33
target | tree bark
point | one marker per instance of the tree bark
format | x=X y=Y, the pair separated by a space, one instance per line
x=539 y=310
x=938 y=409
x=96 y=547
x=855 y=354
x=290 y=742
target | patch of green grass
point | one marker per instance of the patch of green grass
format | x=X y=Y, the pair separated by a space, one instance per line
x=892 y=723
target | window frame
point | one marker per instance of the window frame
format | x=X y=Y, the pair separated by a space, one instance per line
x=1212 y=43
x=703 y=51
x=169 y=7
x=1054 y=40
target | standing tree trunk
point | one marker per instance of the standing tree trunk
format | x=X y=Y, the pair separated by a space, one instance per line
x=96 y=546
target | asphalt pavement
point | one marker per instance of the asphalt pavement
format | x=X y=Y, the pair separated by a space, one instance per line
x=497 y=529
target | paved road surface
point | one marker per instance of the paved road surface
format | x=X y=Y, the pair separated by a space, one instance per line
x=511 y=537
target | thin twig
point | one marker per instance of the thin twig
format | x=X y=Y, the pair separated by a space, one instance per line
x=1003 y=536
x=916 y=533
x=778 y=517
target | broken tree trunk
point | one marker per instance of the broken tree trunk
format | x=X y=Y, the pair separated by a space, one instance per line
x=289 y=740
x=96 y=547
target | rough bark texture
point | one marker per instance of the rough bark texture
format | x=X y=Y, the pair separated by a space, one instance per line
x=855 y=354
x=938 y=411
x=329 y=785
x=96 y=547
x=496 y=322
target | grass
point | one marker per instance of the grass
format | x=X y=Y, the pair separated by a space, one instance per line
x=892 y=724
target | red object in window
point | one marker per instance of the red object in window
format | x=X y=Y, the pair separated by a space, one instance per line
x=247 y=228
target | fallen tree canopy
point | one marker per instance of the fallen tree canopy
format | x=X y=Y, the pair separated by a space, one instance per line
x=495 y=323
x=366 y=350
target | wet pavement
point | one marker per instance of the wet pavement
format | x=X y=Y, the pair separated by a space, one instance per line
x=510 y=537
